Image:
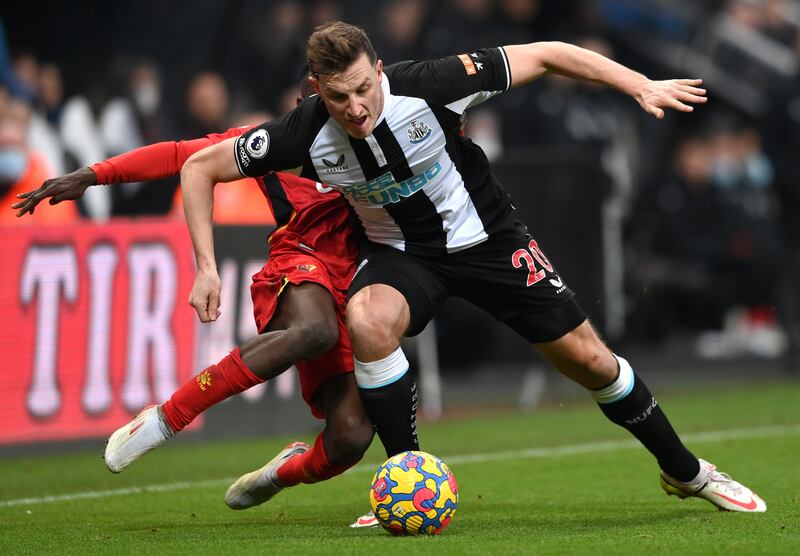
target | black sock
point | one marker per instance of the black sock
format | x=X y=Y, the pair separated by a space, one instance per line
x=393 y=411
x=640 y=414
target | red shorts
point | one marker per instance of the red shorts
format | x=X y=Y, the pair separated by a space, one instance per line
x=296 y=267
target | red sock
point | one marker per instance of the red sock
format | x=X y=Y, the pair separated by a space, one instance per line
x=310 y=467
x=218 y=382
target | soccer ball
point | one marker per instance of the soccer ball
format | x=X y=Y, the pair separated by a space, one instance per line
x=414 y=493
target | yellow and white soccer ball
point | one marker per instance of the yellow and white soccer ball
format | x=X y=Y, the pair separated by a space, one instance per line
x=414 y=493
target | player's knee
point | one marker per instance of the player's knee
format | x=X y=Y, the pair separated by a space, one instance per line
x=372 y=324
x=349 y=440
x=317 y=337
x=598 y=363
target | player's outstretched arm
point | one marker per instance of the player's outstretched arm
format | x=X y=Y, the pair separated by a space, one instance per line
x=151 y=162
x=530 y=61
x=199 y=175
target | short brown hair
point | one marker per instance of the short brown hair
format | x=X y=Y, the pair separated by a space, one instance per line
x=334 y=46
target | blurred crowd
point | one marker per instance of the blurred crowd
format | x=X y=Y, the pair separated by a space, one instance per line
x=57 y=134
x=706 y=204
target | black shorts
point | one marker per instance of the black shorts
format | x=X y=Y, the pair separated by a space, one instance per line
x=510 y=279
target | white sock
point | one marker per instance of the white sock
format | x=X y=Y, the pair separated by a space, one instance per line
x=700 y=481
x=618 y=389
x=382 y=372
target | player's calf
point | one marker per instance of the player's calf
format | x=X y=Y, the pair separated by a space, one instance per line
x=348 y=431
x=216 y=383
x=622 y=396
x=628 y=403
x=347 y=443
x=581 y=355
x=271 y=353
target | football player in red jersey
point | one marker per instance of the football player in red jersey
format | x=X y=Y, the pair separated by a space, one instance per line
x=298 y=301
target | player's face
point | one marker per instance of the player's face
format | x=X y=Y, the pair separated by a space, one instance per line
x=354 y=97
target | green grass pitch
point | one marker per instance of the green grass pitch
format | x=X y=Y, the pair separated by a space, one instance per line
x=556 y=481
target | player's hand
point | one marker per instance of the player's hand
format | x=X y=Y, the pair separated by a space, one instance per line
x=205 y=295
x=677 y=94
x=64 y=188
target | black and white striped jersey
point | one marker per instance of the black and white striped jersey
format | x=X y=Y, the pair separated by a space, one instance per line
x=416 y=184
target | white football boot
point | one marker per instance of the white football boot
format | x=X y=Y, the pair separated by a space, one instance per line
x=366 y=520
x=718 y=488
x=258 y=486
x=128 y=443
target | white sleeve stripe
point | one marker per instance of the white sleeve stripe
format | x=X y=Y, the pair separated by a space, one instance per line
x=508 y=68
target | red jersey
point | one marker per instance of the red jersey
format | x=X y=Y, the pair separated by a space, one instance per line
x=309 y=216
x=313 y=218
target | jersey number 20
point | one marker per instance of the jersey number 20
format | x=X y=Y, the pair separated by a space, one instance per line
x=535 y=256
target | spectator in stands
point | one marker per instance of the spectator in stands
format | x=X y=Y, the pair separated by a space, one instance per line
x=8 y=77
x=519 y=16
x=22 y=169
x=755 y=43
x=40 y=132
x=461 y=26
x=207 y=104
x=134 y=117
x=130 y=120
x=404 y=26
x=779 y=22
x=73 y=121
x=323 y=11
x=780 y=128
x=275 y=38
x=714 y=244
x=26 y=70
